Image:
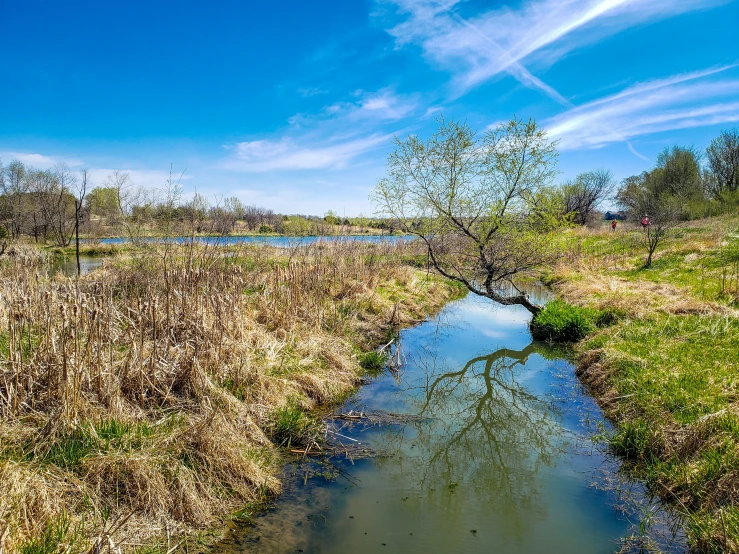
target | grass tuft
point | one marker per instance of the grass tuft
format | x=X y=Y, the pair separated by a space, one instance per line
x=56 y=536
x=635 y=440
x=562 y=322
x=373 y=362
x=291 y=426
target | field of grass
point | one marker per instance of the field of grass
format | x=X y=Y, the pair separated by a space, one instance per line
x=666 y=368
x=146 y=402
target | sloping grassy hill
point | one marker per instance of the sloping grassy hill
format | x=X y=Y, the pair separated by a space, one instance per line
x=666 y=368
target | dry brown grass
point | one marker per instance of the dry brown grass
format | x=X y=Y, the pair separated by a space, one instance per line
x=149 y=387
x=581 y=284
x=23 y=255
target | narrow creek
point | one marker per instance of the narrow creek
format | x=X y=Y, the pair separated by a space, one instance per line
x=499 y=459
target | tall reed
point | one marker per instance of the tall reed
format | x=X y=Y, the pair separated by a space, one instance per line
x=151 y=384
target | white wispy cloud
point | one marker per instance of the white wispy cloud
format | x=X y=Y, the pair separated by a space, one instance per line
x=332 y=139
x=539 y=32
x=678 y=102
x=150 y=179
x=368 y=107
x=291 y=154
x=38 y=161
x=307 y=92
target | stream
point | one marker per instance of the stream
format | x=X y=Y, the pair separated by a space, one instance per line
x=499 y=456
x=495 y=451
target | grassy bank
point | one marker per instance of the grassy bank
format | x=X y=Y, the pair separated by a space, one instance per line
x=661 y=354
x=145 y=403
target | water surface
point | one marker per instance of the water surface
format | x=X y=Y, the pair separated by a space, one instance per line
x=67 y=265
x=500 y=458
x=278 y=241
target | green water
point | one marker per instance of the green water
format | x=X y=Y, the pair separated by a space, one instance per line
x=500 y=459
x=67 y=266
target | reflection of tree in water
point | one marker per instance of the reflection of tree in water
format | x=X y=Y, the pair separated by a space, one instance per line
x=488 y=433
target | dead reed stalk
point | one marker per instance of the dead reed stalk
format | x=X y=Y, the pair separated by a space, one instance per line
x=151 y=385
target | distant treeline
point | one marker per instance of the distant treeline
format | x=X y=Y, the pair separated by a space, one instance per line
x=697 y=184
x=685 y=183
x=45 y=205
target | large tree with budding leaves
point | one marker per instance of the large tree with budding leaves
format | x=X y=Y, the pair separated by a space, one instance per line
x=478 y=203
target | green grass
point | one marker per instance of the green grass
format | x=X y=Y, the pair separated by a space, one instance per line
x=291 y=425
x=91 y=438
x=90 y=250
x=4 y=346
x=68 y=451
x=670 y=380
x=635 y=440
x=673 y=374
x=373 y=363
x=675 y=367
x=563 y=322
x=699 y=272
x=58 y=535
x=706 y=268
x=723 y=523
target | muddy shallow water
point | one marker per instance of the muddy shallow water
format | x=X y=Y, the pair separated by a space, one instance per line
x=67 y=266
x=500 y=457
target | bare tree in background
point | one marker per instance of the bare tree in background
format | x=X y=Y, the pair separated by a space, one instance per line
x=39 y=204
x=235 y=208
x=196 y=211
x=723 y=160
x=644 y=196
x=133 y=204
x=222 y=220
x=583 y=196
x=78 y=203
x=224 y=215
x=252 y=217
x=3 y=230
x=14 y=191
x=664 y=214
x=53 y=191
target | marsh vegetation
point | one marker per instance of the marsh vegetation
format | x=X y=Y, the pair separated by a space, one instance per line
x=147 y=399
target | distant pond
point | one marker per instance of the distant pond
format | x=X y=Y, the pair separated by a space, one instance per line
x=283 y=242
x=68 y=264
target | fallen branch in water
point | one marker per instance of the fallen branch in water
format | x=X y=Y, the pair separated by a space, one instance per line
x=377 y=417
x=382 y=348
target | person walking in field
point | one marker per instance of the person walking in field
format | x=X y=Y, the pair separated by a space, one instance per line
x=645 y=222
x=613 y=226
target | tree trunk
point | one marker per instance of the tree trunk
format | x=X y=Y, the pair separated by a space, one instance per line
x=518 y=300
x=77 y=236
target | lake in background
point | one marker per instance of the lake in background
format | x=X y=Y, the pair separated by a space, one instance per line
x=284 y=242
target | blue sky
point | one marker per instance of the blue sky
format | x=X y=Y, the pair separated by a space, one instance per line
x=293 y=105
